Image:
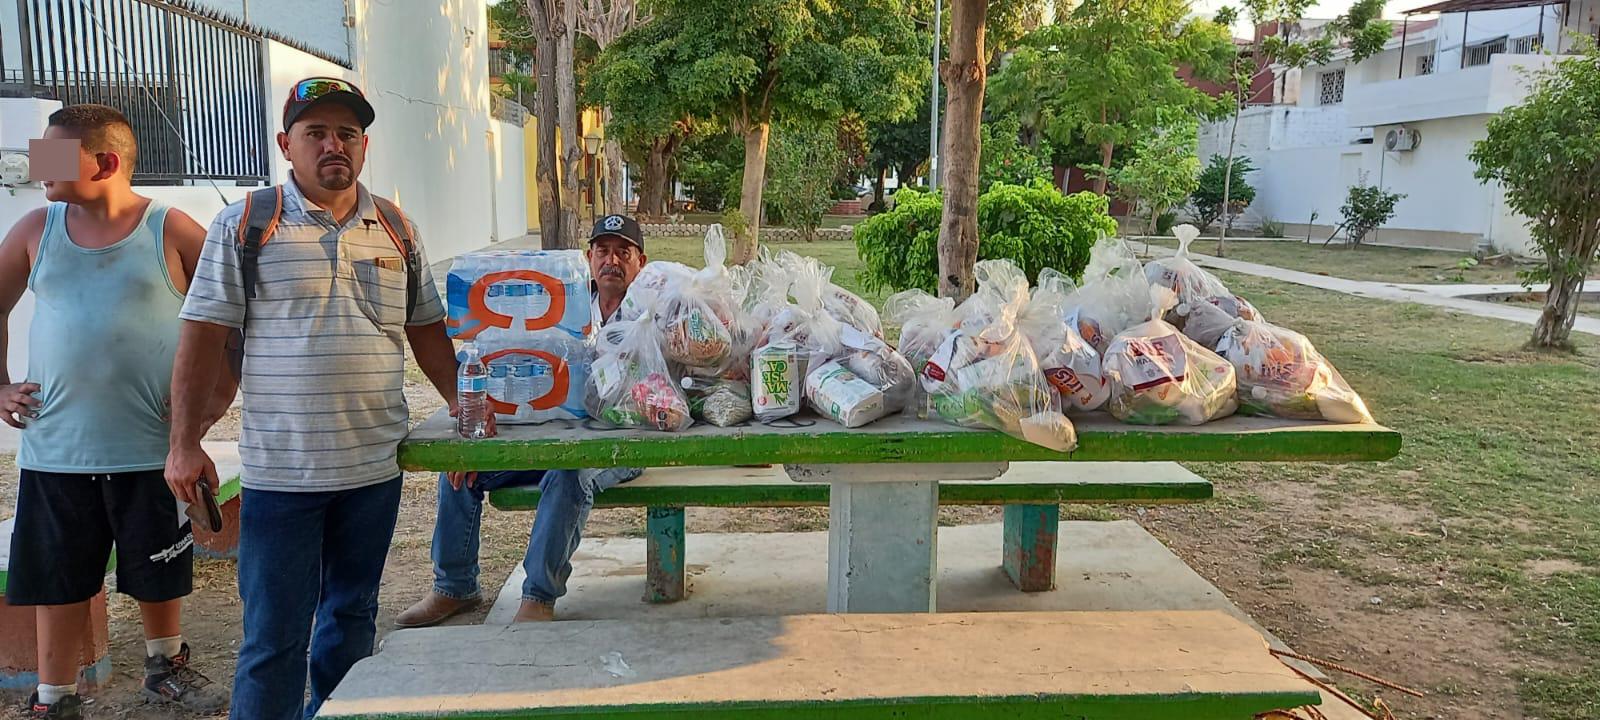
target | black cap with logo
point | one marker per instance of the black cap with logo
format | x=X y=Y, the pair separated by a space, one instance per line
x=314 y=91
x=620 y=226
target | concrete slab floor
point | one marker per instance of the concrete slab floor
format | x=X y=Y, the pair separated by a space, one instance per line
x=1101 y=566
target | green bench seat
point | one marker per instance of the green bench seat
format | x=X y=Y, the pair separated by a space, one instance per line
x=1031 y=492
x=1198 y=665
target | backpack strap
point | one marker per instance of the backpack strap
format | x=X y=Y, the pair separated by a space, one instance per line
x=394 y=223
x=261 y=210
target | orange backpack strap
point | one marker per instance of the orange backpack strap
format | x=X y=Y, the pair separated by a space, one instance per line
x=261 y=210
x=394 y=223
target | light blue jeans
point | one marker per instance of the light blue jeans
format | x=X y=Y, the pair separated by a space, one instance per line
x=565 y=498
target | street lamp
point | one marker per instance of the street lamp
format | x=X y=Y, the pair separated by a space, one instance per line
x=592 y=142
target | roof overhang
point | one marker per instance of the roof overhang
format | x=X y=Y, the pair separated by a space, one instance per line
x=1458 y=6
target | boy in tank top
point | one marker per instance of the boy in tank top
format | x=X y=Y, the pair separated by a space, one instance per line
x=109 y=269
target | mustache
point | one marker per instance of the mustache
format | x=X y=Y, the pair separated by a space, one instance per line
x=334 y=160
x=610 y=270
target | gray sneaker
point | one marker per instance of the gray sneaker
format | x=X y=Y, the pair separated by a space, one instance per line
x=171 y=680
x=67 y=708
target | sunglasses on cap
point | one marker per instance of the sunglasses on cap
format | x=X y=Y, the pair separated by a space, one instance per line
x=310 y=89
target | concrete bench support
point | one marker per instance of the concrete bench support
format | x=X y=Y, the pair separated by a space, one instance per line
x=665 y=580
x=1029 y=557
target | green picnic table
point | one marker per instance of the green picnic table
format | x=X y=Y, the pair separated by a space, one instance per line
x=884 y=479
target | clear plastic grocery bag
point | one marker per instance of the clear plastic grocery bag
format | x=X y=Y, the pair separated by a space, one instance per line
x=1204 y=308
x=1158 y=376
x=653 y=279
x=863 y=382
x=1281 y=374
x=925 y=321
x=721 y=402
x=699 y=317
x=1113 y=297
x=630 y=384
x=984 y=374
x=1070 y=365
x=841 y=304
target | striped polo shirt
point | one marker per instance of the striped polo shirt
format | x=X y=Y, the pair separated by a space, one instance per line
x=324 y=365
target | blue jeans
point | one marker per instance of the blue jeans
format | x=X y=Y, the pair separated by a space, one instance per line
x=307 y=557
x=565 y=498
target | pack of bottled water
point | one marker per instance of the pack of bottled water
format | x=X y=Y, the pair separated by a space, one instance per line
x=527 y=312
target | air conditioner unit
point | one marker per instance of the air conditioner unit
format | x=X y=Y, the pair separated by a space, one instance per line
x=1402 y=139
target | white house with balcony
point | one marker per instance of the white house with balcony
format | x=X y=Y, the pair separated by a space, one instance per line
x=1405 y=119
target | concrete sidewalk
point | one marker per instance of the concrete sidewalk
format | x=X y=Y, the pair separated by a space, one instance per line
x=1443 y=296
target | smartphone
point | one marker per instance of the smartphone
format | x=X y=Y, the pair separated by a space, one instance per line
x=205 y=514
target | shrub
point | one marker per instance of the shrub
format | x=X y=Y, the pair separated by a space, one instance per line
x=1207 y=198
x=801 y=166
x=1271 y=228
x=1165 y=221
x=1365 y=209
x=1004 y=159
x=1033 y=225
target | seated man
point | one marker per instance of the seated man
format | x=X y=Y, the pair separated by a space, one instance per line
x=616 y=254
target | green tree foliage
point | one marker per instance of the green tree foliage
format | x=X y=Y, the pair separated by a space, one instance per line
x=747 y=63
x=1106 y=73
x=1005 y=159
x=802 y=170
x=1545 y=153
x=1206 y=200
x=1034 y=225
x=1164 y=169
x=899 y=147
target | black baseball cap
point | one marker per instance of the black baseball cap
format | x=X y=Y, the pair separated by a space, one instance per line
x=620 y=226
x=313 y=91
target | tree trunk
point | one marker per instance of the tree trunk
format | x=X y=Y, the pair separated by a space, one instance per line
x=963 y=76
x=571 y=134
x=755 y=174
x=545 y=167
x=1227 y=186
x=1105 y=168
x=616 y=186
x=877 y=187
x=1554 y=328
x=655 y=189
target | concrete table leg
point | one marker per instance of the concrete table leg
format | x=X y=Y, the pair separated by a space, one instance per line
x=883 y=527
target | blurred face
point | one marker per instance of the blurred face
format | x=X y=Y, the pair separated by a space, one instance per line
x=96 y=171
x=326 y=146
x=614 y=263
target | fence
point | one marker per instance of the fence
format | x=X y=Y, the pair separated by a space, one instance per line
x=190 y=85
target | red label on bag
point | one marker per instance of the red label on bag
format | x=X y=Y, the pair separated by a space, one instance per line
x=934 y=372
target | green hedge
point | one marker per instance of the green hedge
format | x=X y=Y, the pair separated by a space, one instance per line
x=1033 y=225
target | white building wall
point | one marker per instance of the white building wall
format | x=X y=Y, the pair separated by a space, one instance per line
x=509 y=182
x=427 y=76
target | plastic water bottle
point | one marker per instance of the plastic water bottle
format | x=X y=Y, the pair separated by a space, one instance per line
x=472 y=391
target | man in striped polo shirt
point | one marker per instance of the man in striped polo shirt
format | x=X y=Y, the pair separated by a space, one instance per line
x=323 y=372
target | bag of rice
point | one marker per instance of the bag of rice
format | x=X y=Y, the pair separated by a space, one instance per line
x=723 y=403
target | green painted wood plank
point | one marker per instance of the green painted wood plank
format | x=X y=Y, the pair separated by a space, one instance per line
x=434 y=446
x=816 y=494
x=1102 y=665
x=1197 y=706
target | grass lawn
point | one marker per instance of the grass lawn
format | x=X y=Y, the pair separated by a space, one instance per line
x=1481 y=541
x=1364 y=262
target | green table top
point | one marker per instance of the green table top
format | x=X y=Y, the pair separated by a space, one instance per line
x=807 y=439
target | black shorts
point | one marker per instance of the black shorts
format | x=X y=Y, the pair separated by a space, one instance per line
x=66 y=527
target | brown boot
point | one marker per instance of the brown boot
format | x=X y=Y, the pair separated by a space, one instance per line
x=434 y=609
x=534 y=611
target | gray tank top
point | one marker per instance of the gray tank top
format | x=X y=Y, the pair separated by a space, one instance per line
x=104 y=334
